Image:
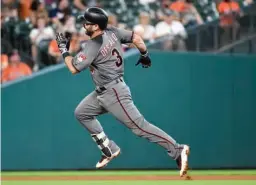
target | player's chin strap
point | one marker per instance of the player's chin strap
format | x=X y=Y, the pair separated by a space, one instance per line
x=102 y=141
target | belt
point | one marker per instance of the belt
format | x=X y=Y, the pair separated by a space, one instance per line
x=105 y=87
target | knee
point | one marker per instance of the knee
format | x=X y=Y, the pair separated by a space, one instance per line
x=77 y=113
x=137 y=131
x=139 y=126
x=80 y=114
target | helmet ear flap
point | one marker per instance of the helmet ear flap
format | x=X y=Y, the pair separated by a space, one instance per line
x=94 y=29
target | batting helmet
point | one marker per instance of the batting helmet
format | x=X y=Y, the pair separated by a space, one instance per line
x=95 y=15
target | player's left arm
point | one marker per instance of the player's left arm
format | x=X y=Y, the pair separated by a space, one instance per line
x=141 y=46
x=127 y=36
x=139 y=43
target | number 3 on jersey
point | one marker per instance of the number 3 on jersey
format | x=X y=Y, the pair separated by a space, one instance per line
x=119 y=59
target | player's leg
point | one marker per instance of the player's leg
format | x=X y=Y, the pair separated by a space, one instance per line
x=86 y=113
x=122 y=107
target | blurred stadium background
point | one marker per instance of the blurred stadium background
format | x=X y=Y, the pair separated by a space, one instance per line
x=202 y=87
x=28 y=27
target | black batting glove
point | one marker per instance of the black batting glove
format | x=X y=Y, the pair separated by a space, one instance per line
x=63 y=43
x=68 y=37
x=144 y=60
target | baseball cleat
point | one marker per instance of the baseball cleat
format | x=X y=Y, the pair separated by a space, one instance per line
x=105 y=160
x=183 y=160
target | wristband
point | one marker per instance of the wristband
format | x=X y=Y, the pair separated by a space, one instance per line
x=66 y=54
x=144 y=53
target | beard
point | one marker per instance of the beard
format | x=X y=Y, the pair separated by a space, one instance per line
x=89 y=33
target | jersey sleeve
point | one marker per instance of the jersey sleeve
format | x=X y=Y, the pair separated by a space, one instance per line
x=85 y=57
x=125 y=36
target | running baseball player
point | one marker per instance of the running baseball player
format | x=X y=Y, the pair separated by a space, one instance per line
x=103 y=55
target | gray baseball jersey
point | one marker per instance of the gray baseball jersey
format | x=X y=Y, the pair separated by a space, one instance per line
x=104 y=55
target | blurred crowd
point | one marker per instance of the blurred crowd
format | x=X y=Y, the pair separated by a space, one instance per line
x=28 y=27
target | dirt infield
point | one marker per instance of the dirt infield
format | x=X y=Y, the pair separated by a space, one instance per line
x=127 y=178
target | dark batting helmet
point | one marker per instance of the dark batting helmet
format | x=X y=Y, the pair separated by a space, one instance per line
x=95 y=15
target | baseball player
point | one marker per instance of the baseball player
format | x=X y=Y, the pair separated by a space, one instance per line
x=103 y=55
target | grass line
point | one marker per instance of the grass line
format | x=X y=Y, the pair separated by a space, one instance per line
x=130 y=182
x=100 y=172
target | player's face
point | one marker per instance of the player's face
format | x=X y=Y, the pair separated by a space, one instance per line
x=89 y=29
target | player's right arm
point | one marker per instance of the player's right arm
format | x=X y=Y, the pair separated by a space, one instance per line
x=82 y=60
x=69 y=63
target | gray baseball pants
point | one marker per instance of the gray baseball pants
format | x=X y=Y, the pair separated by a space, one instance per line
x=117 y=100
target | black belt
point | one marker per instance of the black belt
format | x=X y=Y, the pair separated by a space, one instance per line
x=100 y=90
x=104 y=88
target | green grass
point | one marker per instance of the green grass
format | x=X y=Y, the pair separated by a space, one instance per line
x=84 y=173
x=160 y=172
x=131 y=183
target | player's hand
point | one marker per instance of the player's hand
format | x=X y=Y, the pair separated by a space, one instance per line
x=68 y=37
x=63 y=42
x=144 y=60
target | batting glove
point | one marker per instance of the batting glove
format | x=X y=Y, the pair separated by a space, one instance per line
x=144 y=60
x=63 y=43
